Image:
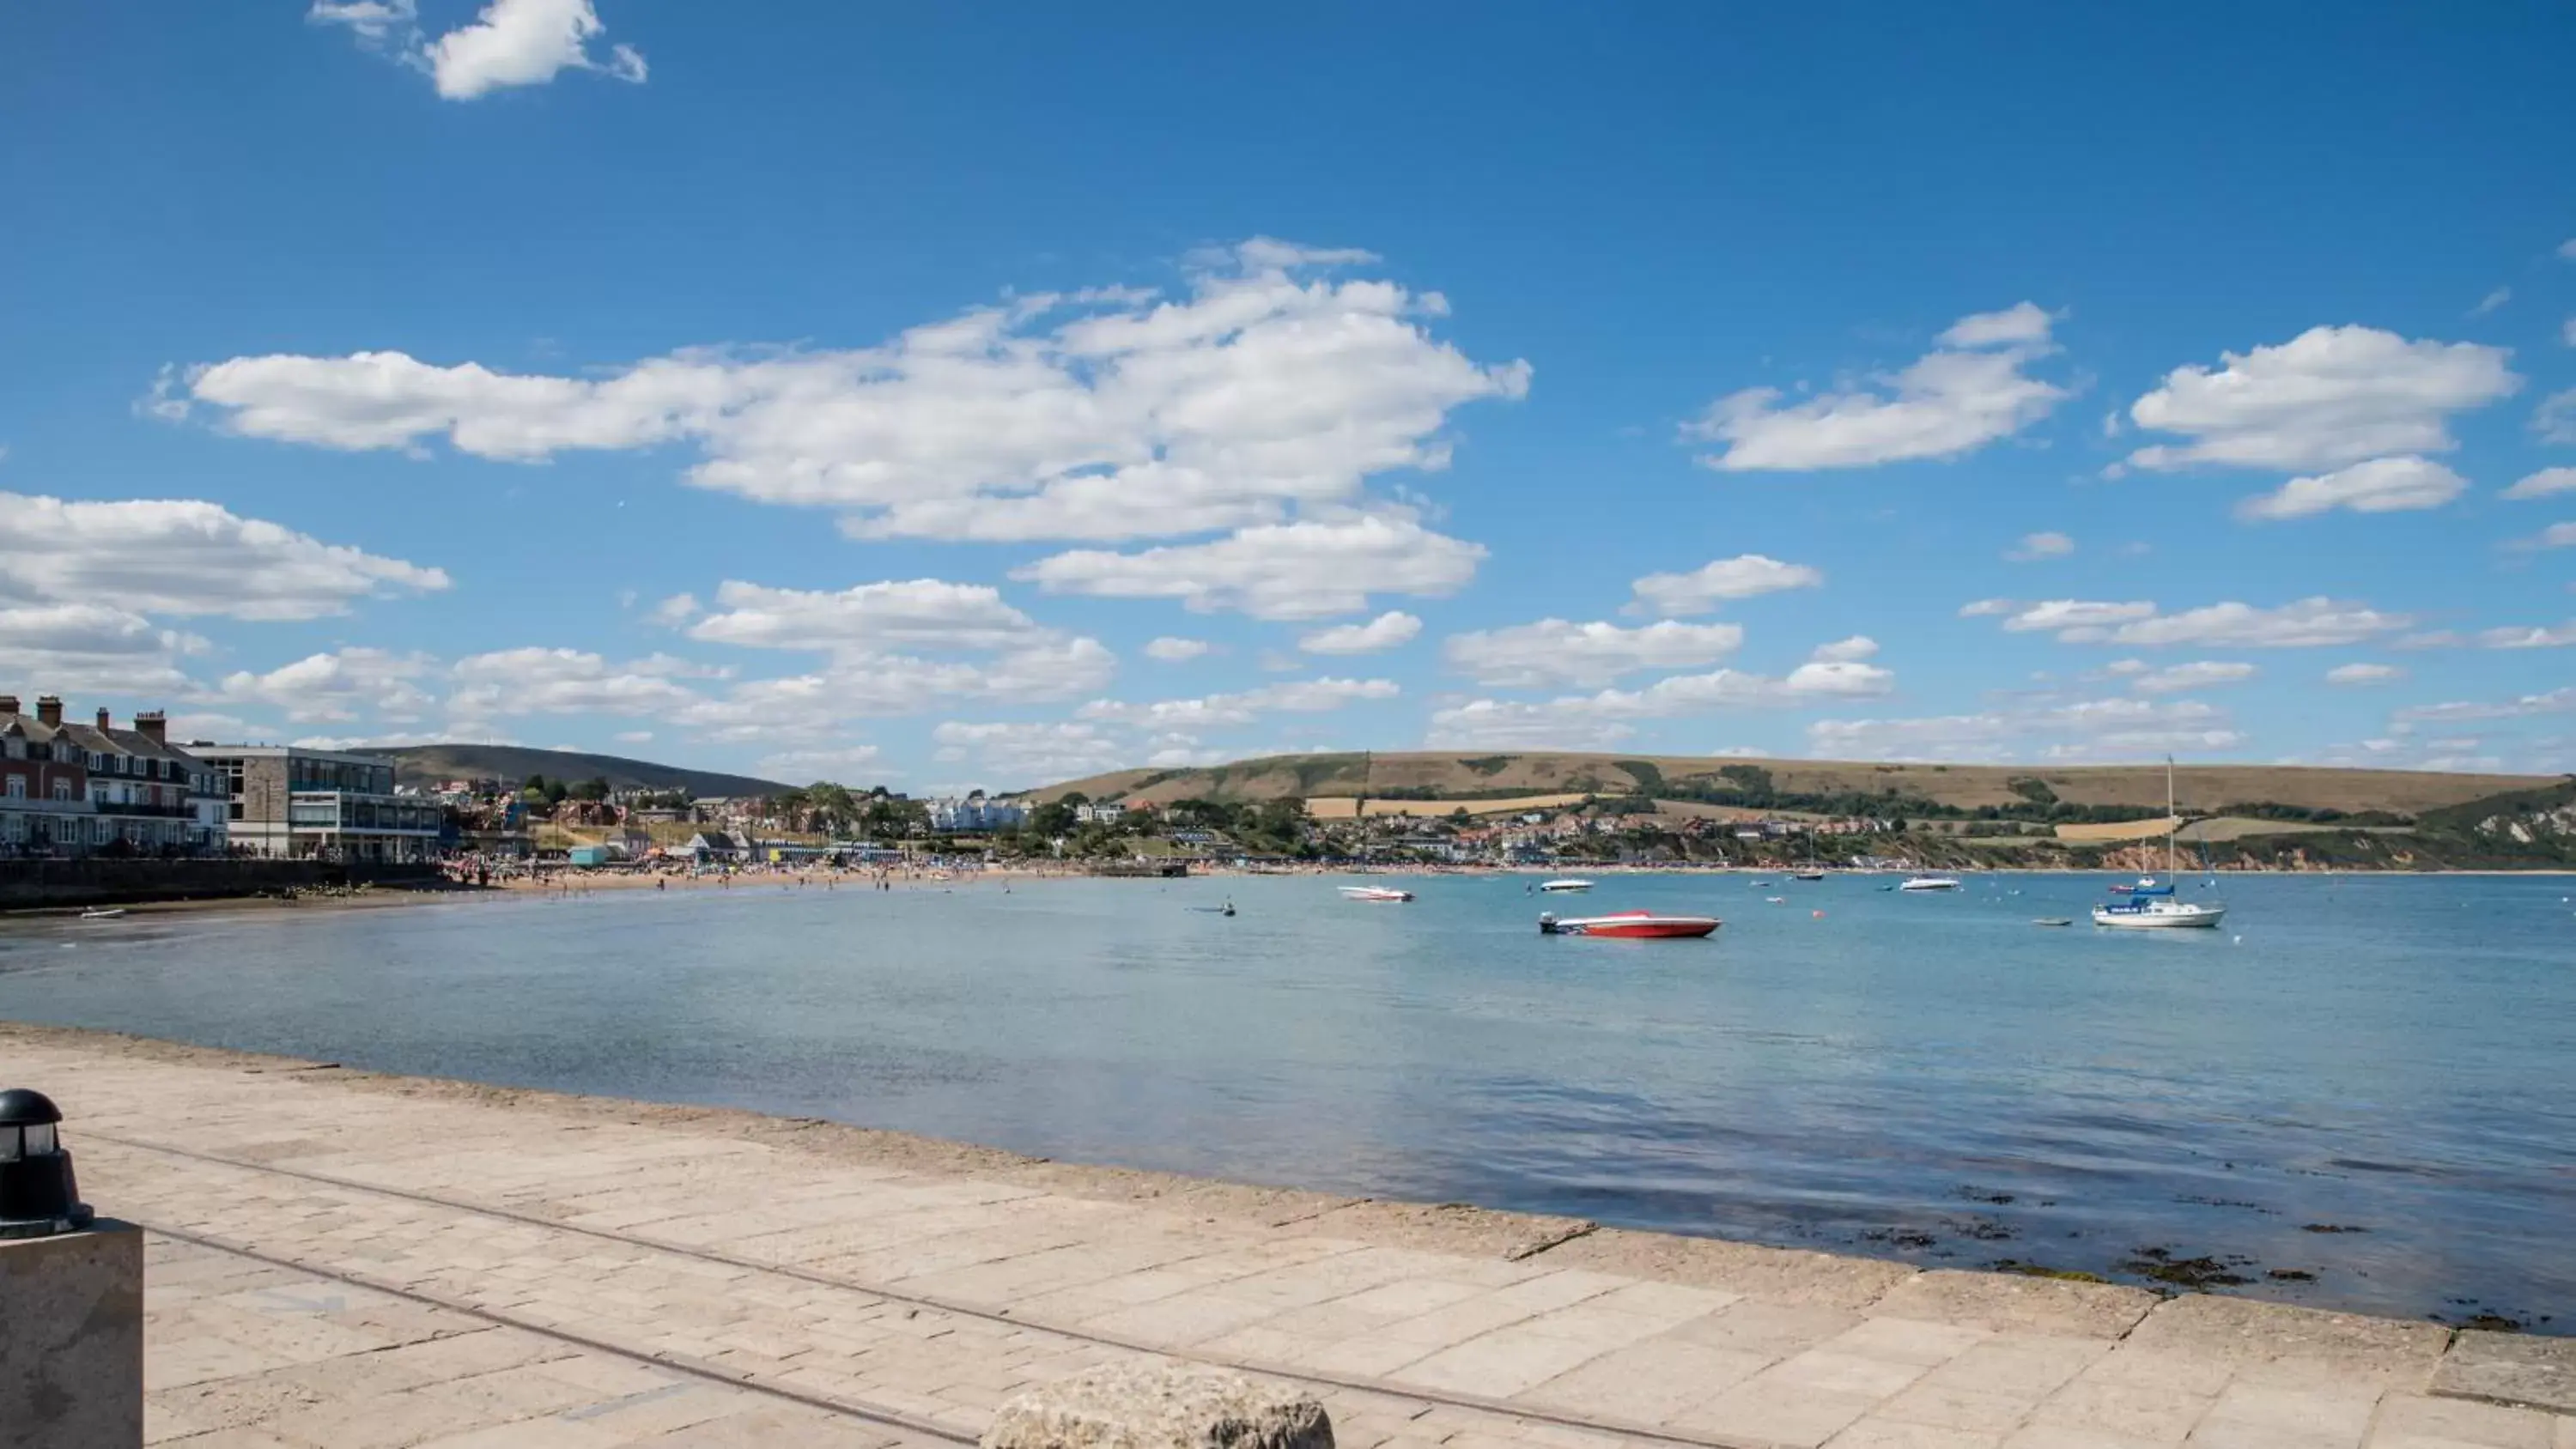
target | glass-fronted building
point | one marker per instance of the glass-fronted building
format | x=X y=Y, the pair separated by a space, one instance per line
x=291 y=803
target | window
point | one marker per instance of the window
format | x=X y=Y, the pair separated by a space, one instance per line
x=63 y=790
x=17 y=787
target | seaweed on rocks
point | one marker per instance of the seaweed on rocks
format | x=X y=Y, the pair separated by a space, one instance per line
x=2042 y=1270
x=2330 y=1228
x=2194 y=1274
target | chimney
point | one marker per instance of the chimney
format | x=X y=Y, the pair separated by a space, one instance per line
x=8 y=704
x=102 y=721
x=49 y=711
x=153 y=725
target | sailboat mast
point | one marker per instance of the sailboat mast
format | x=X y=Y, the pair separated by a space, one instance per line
x=2173 y=822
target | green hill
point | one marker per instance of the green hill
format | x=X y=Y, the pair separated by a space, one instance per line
x=2295 y=792
x=428 y=764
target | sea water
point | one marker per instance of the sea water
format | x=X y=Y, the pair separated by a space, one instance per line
x=1929 y=1077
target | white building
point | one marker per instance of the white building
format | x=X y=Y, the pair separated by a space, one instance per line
x=976 y=812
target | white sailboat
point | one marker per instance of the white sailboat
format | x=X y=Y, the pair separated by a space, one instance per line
x=2151 y=905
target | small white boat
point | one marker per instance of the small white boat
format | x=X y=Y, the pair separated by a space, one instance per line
x=2150 y=906
x=103 y=913
x=1930 y=883
x=1564 y=887
x=1631 y=926
x=1379 y=894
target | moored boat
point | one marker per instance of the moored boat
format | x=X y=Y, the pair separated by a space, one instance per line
x=103 y=913
x=1630 y=925
x=2153 y=907
x=1379 y=894
x=1929 y=883
x=2150 y=905
x=1564 y=887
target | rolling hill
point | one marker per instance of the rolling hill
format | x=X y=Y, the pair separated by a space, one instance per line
x=1436 y=776
x=427 y=764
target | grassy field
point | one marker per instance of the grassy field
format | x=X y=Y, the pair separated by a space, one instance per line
x=2119 y=830
x=1462 y=777
x=1347 y=807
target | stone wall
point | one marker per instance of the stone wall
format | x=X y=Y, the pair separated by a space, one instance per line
x=34 y=883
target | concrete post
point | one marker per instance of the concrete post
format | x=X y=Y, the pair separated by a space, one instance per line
x=71 y=1339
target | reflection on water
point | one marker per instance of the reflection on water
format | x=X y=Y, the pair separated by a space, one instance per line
x=1920 y=1076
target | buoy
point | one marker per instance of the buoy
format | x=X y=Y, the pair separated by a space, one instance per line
x=1817 y=915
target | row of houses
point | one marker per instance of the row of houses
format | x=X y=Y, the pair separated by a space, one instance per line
x=77 y=789
x=977 y=811
x=72 y=789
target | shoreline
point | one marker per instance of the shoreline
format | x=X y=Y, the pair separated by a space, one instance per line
x=1449 y=1226
x=907 y=1280
x=576 y=883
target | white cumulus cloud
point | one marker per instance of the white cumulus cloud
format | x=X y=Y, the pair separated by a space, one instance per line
x=1021 y=755
x=1858 y=646
x=2546 y=483
x=337 y=687
x=1674 y=596
x=2036 y=546
x=1172 y=649
x=2303 y=623
x=1599 y=720
x=178 y=556
x=1970 y=391
x=2530 y=637
x=2381 y=485
x=1097 y=416
x=1219 y=711
x=509 y=43
x=1386 y=631
x=63 y=647
x=2178 y=678
x=2327 y=397
x=2106 y=729
x=1309 y=569
x=867 y=618
x=2364 y=674
x=1559 y=652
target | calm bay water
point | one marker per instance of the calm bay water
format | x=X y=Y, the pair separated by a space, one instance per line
x=1926 y=1077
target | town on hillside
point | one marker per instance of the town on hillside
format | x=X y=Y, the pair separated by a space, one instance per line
x=76 y=789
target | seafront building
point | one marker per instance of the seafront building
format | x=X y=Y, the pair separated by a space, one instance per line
x=71 y=789
x=977 y=812
x=287 y=802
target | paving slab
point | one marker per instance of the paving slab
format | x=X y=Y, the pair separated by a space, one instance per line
x=2292 y=1346
x=1782 y=1274
x=2510 y=1368
x=2013 y=1303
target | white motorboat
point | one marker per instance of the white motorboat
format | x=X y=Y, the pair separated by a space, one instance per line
x=1564 y=887
x=2150 y=905
x=1929 y=883
x=103 y=913
x=1381 y=895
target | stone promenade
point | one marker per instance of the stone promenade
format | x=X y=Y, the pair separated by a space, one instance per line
x=346 y=1261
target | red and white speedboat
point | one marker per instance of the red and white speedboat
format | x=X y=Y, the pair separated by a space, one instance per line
x=1379 y=894
x=1630 y=925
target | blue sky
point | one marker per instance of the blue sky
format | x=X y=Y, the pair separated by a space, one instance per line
x=976 y=395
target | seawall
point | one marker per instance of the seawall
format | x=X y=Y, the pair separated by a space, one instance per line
x=95 y=881
x=897 y=1280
